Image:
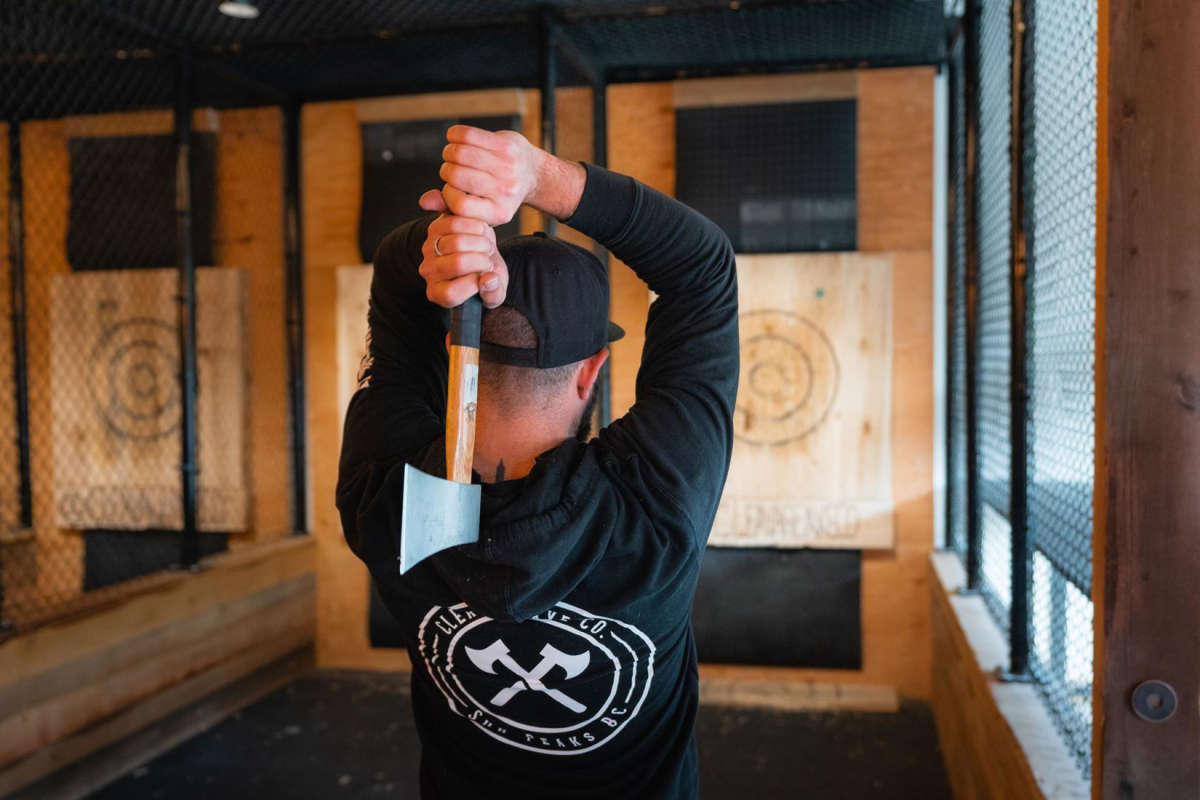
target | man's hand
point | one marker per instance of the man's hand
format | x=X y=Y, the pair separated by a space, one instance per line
x=459 y=258
x=489 y=175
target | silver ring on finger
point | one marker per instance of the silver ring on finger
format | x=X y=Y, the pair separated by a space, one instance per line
x=437 y=249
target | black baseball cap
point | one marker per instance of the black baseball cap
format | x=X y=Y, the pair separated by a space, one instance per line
x=562 y=289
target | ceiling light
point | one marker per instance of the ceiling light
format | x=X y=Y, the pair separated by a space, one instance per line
x=242 y=9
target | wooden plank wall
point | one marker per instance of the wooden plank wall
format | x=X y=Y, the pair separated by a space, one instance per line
x=71 y=688
x=248 y=234
x=895 y=178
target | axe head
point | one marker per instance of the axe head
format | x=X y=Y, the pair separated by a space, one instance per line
x=437 y=514
x=486 y=658
x=572 y=663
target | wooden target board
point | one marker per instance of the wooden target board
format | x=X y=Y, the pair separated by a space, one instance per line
x=115 y=400
x=353 y=297
x=812 y=425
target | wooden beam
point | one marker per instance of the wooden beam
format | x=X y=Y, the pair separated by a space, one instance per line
x=753 y=90
x=1148 y=369
x=749 y=687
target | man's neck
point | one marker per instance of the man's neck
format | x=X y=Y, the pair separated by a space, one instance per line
x=506 y=448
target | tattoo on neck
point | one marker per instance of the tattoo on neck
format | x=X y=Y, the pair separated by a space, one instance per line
x=500 y=471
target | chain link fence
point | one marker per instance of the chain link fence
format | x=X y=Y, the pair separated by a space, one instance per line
x=1059 y=177
x=144 y=347
x=1057 y=150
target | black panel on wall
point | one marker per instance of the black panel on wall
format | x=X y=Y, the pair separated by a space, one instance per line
x=400 y=163
x=115 y=556
x=122 y=213
x=776 y=178
x=796 y=608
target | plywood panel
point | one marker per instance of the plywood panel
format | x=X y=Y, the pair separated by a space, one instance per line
x=10 y=509
x=573 y=121
x=56 y=571
x=115 y=402
x=895 y=159
x=332 y=186
x=482 y=103
x=353 y=296
x=641 y=143
x=752 y=90
x=248 y=233
x=812 y=425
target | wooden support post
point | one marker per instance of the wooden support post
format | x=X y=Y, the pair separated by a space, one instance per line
x=1147 y=500
x=293 y=248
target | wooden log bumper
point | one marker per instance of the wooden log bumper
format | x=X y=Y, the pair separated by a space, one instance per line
x=69 y=688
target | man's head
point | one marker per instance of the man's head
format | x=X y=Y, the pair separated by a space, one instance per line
x=542 y=350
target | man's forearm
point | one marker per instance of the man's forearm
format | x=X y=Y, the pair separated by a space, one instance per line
x=559 y=186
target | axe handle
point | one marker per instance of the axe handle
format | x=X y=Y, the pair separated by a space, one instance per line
x=462 y=389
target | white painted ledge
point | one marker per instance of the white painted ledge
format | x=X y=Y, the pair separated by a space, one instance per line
x=1052 y=764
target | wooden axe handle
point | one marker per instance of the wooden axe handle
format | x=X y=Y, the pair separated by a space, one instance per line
x=462 y=389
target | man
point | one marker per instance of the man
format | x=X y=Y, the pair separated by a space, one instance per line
x=555 y=657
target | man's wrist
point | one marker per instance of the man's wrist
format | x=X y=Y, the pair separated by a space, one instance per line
x=558 y=185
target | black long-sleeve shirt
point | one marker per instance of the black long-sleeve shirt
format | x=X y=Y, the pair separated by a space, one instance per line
x=555 y=657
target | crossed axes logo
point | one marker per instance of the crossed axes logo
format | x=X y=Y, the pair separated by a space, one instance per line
x=497 y=652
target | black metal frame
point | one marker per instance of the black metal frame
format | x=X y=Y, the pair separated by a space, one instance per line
x=1022 y=551
x=974 y=563
x=294 y=311
x=1017 y=668
x=600 y=159
x=16 y=288
x=190 y=547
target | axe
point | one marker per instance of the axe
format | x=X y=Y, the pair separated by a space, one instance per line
x=440 y=513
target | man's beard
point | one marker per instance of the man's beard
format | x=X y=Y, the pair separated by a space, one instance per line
x=583 y=431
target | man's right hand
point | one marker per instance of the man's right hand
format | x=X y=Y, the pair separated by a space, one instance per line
x=489 y=175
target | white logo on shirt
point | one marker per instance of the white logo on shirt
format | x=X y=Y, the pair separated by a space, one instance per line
x=592 y=677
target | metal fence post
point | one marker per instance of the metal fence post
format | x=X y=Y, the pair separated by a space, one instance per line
x=548 y=79
x=1018 y=370
x=294 y=305
x=971 y=68
x=16 y=288
x=600 y=159
x=190 y=546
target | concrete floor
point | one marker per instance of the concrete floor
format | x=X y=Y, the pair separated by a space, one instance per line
x=337 y=734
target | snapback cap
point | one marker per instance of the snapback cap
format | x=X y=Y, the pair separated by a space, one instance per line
x=562 y=289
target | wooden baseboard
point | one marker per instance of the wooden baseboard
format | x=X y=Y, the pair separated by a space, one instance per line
x=64 y=752
x=127 y=741
x=777 y=689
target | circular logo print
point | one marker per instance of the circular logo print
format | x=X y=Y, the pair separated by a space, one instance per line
x=789 y=378
x=563 y=683
x=133 y=377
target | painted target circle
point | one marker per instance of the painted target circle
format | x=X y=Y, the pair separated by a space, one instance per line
x=134 y=379
x=789 y=377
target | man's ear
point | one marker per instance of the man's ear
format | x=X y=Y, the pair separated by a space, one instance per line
x=447 y=341
x=589 y=372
